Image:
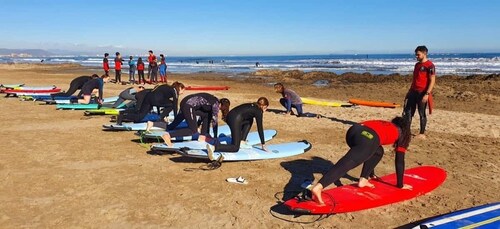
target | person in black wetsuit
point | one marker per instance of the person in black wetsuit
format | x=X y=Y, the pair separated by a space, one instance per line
x=163 y=96
x=204 y=105
x=365 y=141
x=240 y=120
x=89 y=86
x=76 y=84
x=128 y=94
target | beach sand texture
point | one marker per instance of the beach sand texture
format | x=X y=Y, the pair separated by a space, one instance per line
x=58 y=169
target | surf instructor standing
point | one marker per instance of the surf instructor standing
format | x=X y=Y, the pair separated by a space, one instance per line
x=420 y=93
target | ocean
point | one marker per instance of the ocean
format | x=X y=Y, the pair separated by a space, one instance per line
x=446 y=63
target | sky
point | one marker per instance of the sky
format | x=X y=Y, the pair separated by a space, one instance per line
x=256 y=27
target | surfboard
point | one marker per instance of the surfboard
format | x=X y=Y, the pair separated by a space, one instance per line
x=224 y=130
x=256 y=153
x=351 y=198
x=91 y=106
x=485 y=216
x=109 y=111
x=29 y=91
x=23 y=87
x=9 y=86
x=136 y=126
x=373 y=103
x=252 y=139
x=207 y=88
x=325 y=103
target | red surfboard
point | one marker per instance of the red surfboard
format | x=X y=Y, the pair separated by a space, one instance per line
x=350 y=198
x=207 y=88
x=373 y=103
x=33 y=91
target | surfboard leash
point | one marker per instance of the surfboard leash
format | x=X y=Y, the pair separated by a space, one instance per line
x=281 y=203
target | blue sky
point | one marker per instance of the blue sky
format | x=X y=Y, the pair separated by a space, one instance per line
x=257 y=27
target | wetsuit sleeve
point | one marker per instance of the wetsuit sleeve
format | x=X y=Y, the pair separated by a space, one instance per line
x=260 y=128
x=215 y=121
x=176 y=103
x=400 y=168
x=101 y=87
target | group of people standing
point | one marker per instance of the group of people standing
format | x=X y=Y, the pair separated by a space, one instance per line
x=154 y=68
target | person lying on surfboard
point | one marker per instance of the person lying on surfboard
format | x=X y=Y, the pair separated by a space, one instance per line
x=164 y=96
x=240 y=120
x=290 y=99
x=88 y=88
x=365 y=141
x=204 y=105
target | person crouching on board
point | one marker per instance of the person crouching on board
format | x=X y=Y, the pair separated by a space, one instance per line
x=163 y=96
x=204 y=105
x=89 y=86
x=128 y=94
x=365 y=141
x=76 y=84
x=290 y=99
x=240 y=120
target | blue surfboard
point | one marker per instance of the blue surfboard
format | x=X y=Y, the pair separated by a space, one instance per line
x=90 y=106
x=485 y=216
x=137 y=127
x=222 y=130
x=256 y=153
x=252 y=139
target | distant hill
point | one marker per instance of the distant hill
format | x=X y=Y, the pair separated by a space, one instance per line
x=30 y=52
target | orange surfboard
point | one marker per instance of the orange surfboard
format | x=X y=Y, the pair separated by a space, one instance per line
x=373 y=103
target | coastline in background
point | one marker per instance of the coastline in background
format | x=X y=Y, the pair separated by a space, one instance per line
x=449 y=64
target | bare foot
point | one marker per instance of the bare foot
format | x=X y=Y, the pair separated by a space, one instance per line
x=421 y=136
x=149 y=125
x=167 y=139
x=363 y=182
x=316 y=192
x=202 y=138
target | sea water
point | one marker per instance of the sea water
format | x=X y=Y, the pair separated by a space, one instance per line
x=446 y=63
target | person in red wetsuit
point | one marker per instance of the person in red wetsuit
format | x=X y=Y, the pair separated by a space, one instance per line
x=140 y=70
x=105 y=64
x=365 y=141
x=419 y=95
x=151 y=59
x=118 y=67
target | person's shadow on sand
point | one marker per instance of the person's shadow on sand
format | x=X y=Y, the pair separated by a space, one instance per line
x=303 y=170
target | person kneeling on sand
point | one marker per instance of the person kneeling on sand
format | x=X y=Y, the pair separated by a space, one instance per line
x=290 y=99
x=365 y=141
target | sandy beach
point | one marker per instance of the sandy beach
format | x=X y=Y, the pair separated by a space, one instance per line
x=58 y=169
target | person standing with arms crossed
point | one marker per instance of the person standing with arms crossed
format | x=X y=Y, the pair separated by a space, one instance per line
x=419 y=95
x=151 y=59
x=118 y=68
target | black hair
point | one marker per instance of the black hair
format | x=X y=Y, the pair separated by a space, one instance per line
x=106 y=54
x=131 y=57
x=405 y=127
x=117 y=53
x=95 y=76
x=151 y=51
x=421 y=48
x=225 y=104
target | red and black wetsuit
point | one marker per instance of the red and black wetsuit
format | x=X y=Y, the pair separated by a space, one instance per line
x=240 y=120
x=201 y=104
x=140 y=71
x=105 y=66
x=118 y=69
x=421 y=79
x=76 y=84
x=365 y=141
x=151 y=59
